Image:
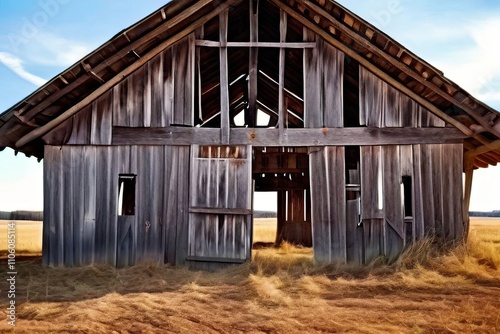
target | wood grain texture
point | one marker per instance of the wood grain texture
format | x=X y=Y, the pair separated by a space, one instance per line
x=290 y=137
x=328 y=204
x=313 y=116
x=220 y=205
x=382 y=105
x=332 y=87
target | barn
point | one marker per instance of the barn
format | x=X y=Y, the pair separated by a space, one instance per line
x=154 y=144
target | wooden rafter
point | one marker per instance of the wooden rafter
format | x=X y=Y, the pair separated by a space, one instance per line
x=397 y=64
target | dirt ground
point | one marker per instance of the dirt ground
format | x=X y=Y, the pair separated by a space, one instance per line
x=426 y=291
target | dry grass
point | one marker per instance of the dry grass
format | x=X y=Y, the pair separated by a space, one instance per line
x=426 y=291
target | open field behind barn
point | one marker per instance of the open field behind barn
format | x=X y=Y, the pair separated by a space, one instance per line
x=426 y=291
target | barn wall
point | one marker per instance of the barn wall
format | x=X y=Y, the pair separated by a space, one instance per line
x=436 y=188
x=82 y=225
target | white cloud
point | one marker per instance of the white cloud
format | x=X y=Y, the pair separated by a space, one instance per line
x=48 y=49
x=16 y=65
x=475 y=66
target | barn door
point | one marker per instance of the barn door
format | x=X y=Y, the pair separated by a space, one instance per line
x=220 y=228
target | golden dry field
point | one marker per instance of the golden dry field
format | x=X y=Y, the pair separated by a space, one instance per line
x=28 y=238
x=426 y=291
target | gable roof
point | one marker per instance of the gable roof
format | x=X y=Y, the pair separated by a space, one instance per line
x=22 y=125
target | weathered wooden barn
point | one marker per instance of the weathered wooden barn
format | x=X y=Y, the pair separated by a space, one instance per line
x=154 y=144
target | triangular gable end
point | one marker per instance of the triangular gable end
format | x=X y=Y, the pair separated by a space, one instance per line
x=321 y=85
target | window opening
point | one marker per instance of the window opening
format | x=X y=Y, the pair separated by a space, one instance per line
x=407 y=196
x=126 y=194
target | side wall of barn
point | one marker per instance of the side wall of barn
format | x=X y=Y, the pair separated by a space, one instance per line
x=83 y=223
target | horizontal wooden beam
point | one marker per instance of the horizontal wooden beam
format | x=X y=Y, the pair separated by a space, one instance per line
x=221 y=211
x=290 y=137
x=284 y=45
x=494 y=146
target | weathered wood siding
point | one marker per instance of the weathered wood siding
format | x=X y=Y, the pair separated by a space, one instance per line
x=220 y=222
x=328 y=204
x=436 y=188
x=82 y=225
x=381 y=105
x=323 y=85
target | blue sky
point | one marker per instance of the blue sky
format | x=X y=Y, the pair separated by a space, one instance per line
x=39 y=39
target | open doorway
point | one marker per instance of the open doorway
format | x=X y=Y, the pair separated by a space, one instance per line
x=265 y=222
x=281 y=174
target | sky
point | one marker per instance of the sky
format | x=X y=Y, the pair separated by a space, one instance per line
x=41 y=38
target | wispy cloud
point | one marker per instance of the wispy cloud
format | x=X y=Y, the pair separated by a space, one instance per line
x=49 y=49
x=475 y=65
x=16 y=65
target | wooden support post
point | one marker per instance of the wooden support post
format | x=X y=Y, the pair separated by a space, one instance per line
x=281 y=215
x=200 y=33
x=224 y=79
x=251 y=115
x=469 y=172
x=281 y=98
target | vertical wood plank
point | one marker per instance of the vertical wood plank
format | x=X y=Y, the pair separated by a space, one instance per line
x=68 y=196
x=393 y=207
x=224 y=77
x=168 y=86
x=102 y=114
x=183 y=81
x=372 y=95
x=427 y=162
x=457 y=191
x=59 y=207
x=183 y=204
x=90 y=194
x=437 y=183
x=391 y=110
x=418 y=194
x=171 y=171
x=338 y=214
x=327 y=172
x=102 y=204
x=469 y=173
x=373 y=239
x=282 y=124
x=48 y=244
x=82 y=122
x=135 y=97
x=371 y=182
x=156 y=71
x=251 y=116
x=146 y=96
x=312 y=95
x=409 y=109
x=333 y=87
